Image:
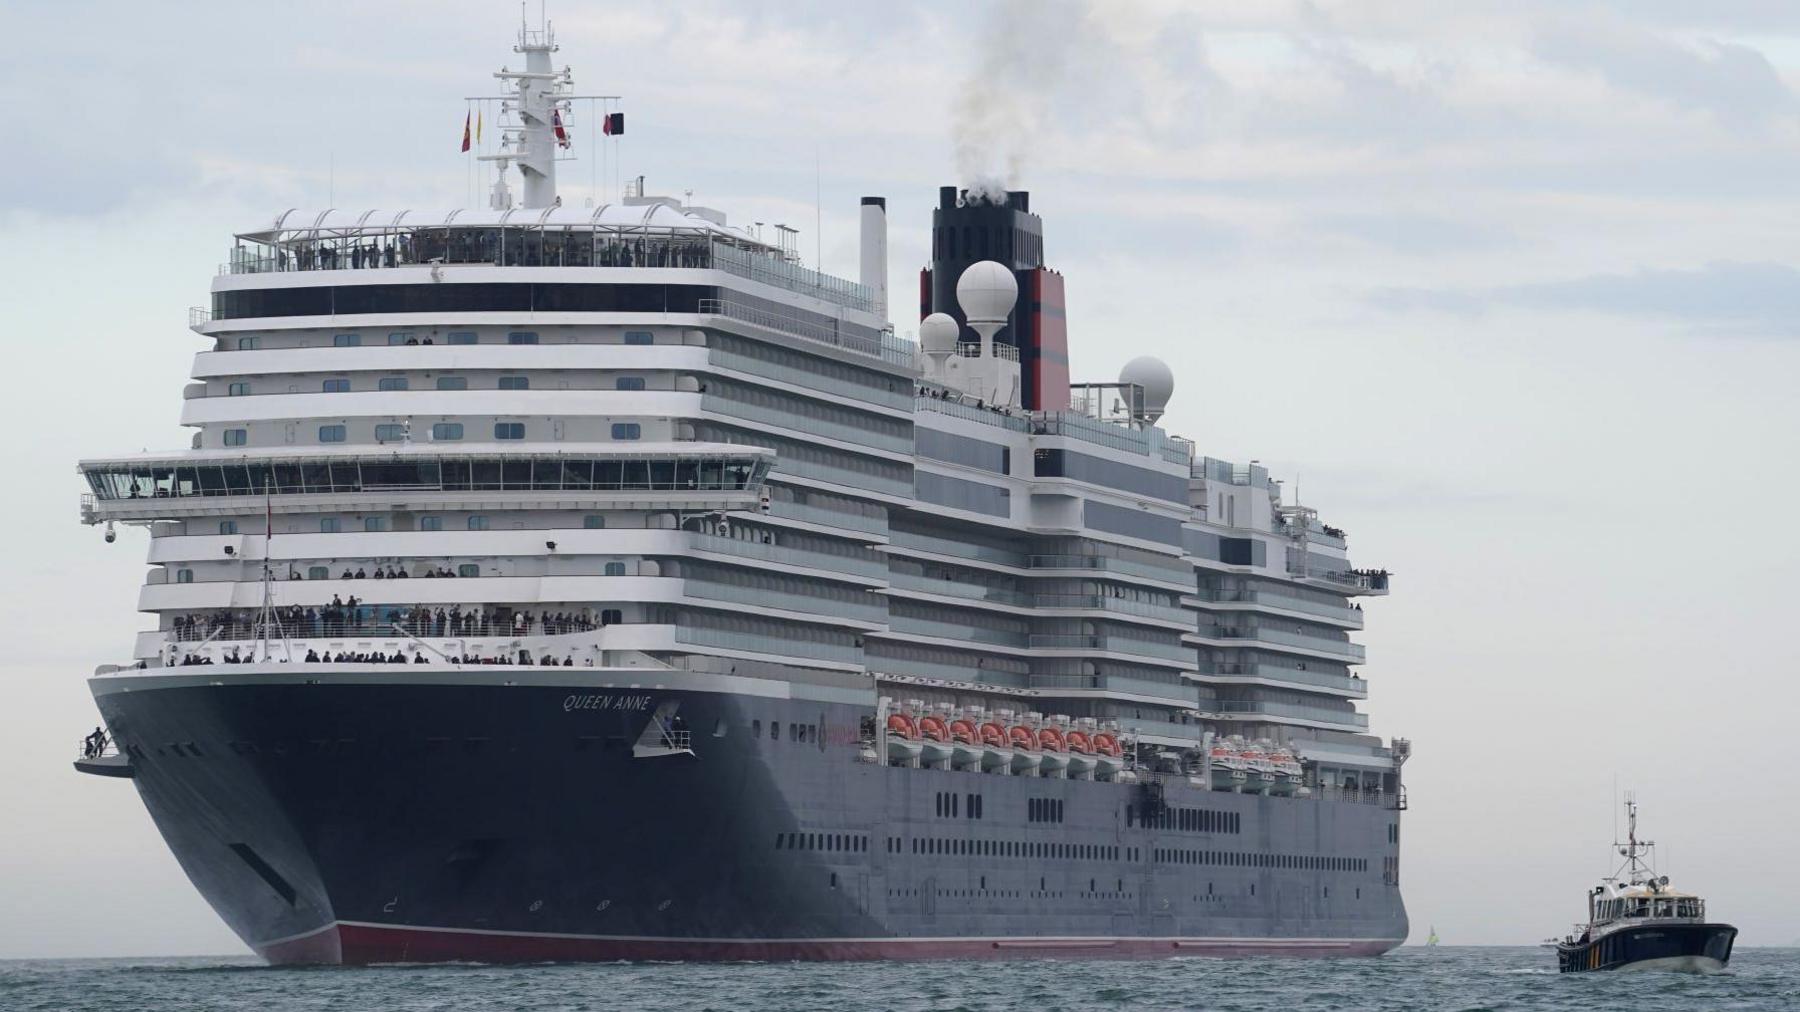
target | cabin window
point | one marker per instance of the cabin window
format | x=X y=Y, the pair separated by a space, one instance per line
x=375 y=524
x=521 y=337
x=318 y=573
x=331 y=433
x=593 y=522
x=184 y=576
x=447 y=431
x=228 y=527
x=346 y=341
x=468 y=569
x=336 y=386
x=391 y=383
x=509 y=430
x=432 y=523
x=615 y=569
x=238 y=389
x=236 y=437
x=462 y=337
x=515 y=383
x=330 y=525
x=400 y=337
x=249 y=343
x=478 y=523
x=453 y=383
x=390 y=433
x=629 y=383
x=626 y=430
x=639 y=337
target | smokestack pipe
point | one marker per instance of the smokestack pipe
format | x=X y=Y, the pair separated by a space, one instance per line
x=875 y=251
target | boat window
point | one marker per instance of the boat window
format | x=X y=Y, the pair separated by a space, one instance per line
x=1664 y=908
x=318 y=573
x=515 y=383
x=235 y=437
x=391 y=383
x=331 y=433
x=346 y=340
x=336 y=386
x=462 y=337
x=453 y=383
x=468 y=569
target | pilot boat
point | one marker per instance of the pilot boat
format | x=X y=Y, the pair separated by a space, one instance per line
x=1637 y=922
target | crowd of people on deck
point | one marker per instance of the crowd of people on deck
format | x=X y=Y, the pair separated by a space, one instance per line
x=485 y=246
x=347 y=616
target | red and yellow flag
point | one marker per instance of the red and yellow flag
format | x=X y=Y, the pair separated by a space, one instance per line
x=465 y=144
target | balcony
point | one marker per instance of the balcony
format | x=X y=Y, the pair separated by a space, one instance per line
x=1350 y=617
x=957 y=550
x=1336 y=649
x=868 y=567
x=944 y=587
x=778 y=646
x=856 y=435
x=886 y=347
x=1175 y=573
x=1224 y=709
x=1274 y=674
x=1175 y=693
x=1114 y=644
x=1115 y=605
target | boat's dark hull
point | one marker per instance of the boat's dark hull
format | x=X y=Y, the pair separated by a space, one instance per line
x=405 y=814
x=1698 y=948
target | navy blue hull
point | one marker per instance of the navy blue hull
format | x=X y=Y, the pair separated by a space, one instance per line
x=399 y=815
x=1652 y=946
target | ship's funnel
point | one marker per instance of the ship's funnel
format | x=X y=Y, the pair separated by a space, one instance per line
x=875 y=251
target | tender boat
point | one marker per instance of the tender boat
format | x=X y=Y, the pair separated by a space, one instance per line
x=1636 y=922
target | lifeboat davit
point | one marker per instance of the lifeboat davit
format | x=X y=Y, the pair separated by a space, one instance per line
x=1025 y=756
x=995 y=755
x=1054 y=753
x=968 y=748
x=1111 y=756
x=902 y=738
x=935 y=738
x=1081 y=752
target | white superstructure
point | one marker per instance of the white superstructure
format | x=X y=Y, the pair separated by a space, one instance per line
x=638 y=436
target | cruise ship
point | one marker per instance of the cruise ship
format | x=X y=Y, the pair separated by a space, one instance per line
x=586 y=583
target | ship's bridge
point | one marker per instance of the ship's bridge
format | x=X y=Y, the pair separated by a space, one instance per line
x=159 y=486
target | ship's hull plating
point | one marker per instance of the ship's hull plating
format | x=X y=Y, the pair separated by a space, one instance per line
x=1690 y=948
x=406 y=814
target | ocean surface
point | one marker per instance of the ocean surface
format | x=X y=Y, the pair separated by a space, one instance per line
x=1445 y=978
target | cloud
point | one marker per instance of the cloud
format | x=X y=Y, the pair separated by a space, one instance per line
x=1721 y=298
x=1732 y=81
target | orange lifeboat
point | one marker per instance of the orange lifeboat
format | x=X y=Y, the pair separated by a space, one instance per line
x=902 y=725
x=963 y=730
x=933 y=728
x=1106 y=744
x=1050 y=739
x=1078 y=742
x=1020 y=736
x=993 y=734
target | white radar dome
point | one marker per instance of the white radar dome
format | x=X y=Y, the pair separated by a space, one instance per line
x=986 y=291
x=938 y=333
x=1153 y=375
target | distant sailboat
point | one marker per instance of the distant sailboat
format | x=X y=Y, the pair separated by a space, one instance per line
x=1431 y=940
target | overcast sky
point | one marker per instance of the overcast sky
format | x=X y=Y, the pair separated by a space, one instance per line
x=1507 y=289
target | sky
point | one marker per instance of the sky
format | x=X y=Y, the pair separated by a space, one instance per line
x=1508 y=290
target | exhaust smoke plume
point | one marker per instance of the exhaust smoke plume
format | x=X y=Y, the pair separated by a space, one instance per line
x=1005 y=102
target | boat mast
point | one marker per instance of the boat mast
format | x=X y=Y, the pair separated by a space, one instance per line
x=1633 y=849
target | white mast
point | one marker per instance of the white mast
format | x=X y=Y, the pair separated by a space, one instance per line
x=539 y=99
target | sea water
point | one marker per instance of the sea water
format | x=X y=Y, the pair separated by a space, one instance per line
x=1443 y=978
